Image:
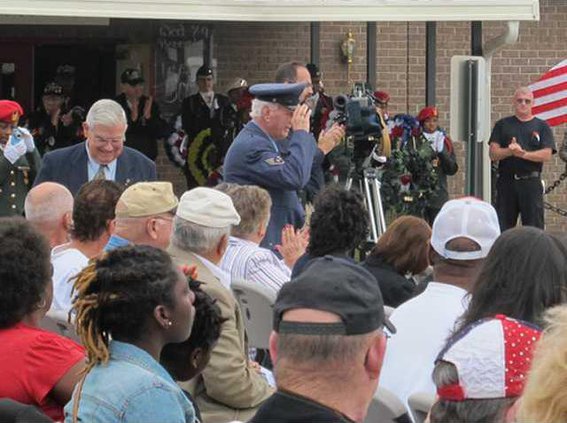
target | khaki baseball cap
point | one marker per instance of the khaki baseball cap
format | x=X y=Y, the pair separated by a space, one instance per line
x=146 y=199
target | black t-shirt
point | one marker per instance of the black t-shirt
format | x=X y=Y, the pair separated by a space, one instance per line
x=285 y=407
x=532 y=135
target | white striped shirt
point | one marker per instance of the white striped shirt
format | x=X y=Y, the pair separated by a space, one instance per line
x=245 y=260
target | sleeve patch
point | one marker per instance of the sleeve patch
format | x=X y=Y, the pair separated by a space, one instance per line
x=275 y=161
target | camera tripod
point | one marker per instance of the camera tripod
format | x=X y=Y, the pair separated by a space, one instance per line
x=369 y=186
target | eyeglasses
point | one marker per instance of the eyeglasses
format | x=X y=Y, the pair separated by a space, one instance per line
x=114 y=141
x=523 y=100
x=166 y=218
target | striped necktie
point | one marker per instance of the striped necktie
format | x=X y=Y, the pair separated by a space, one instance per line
x=100 y=173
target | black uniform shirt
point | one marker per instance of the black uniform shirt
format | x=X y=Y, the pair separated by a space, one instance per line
x=532 y=135
x=285 y=407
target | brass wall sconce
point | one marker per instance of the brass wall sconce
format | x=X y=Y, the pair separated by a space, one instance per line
x=348 y=47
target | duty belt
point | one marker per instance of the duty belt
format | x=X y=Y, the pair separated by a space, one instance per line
x=520 y=176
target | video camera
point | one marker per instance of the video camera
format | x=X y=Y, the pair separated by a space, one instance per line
x=358 y=113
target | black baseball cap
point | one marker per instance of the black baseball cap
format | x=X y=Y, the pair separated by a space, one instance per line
x=335 y=285
x=53 y=88
x=313 y=70
x=204 y=71
x=132 y=77
x=281 y=93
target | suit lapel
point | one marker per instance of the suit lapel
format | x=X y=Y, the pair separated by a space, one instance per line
x=123 y=170
x=79 y=160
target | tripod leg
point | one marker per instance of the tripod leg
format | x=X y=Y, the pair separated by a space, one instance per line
x=371 y=211
x=379 y=207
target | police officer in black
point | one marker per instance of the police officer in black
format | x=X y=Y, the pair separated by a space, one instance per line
x=205 y=118
x=521 y=144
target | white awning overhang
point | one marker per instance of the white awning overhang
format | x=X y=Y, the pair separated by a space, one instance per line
x=281 y=10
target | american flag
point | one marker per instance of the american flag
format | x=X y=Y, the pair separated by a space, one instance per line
x=550 y=95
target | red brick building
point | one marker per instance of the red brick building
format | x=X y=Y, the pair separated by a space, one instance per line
x=253 y=50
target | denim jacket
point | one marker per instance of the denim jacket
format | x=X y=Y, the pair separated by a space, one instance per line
x=131 y=387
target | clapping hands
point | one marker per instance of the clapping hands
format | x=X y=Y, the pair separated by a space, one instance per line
x=294 y=243
x=516 y=148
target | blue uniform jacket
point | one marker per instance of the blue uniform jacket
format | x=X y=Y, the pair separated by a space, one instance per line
x=282 y=168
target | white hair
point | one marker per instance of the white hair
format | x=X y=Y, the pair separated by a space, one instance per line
x=258 y=106
x=189 y=236
x=48 y=202
x=106 y=112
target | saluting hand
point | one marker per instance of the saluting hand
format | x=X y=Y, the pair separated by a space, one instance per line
x=300 y=118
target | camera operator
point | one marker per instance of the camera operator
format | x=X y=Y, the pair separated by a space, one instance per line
x=327 y=140
x=53 y=125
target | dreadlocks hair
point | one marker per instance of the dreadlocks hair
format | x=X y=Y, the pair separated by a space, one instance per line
x=116 y=294
x=205 y=332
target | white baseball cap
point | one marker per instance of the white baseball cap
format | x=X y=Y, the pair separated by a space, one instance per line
x=492 y=357
x=468 y=218
x=207 y=207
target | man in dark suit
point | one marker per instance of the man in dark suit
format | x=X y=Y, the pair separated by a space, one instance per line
x=102 y=156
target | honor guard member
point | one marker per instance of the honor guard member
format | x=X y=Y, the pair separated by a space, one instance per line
x=256 y=156
x=145 y=125
x=442 y=157
x=19 y=160
x=203 y=119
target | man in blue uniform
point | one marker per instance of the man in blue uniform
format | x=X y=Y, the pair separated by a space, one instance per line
x=256 y=157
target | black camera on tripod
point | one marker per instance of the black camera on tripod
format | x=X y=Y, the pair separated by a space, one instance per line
x=358 y=114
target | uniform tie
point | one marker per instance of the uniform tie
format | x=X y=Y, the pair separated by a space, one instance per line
x=100 y=173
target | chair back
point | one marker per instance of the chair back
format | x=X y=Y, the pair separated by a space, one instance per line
x=385 y=407
x=256 y=305
x=419 y=404
x=56 y=321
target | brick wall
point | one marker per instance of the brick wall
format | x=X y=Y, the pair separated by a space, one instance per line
x=254 y=51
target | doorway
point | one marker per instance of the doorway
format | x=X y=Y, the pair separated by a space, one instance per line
x=86 y=72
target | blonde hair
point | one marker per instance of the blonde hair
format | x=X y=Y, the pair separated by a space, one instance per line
x=545 y=396
x=252 y=203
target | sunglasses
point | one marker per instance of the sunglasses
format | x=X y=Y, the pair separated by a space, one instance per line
x=523 y=100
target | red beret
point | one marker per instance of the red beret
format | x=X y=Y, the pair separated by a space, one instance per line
x=382 y=96
x=10 y=111
x=426 y=113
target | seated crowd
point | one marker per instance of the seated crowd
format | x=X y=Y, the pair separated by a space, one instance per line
x=145 y=280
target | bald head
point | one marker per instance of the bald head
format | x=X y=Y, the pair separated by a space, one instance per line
x=49 y=207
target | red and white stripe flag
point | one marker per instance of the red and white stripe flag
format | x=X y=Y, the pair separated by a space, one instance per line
x=550 y=95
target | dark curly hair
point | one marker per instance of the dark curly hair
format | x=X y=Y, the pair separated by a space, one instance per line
x=25 y=269
x=93 y=208
x=116 y=294
x=524 y=274
x=339 y=222
x=204 y=334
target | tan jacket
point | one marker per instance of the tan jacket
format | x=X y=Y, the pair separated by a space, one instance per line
x=228 y=389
